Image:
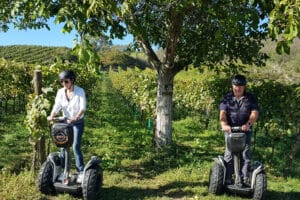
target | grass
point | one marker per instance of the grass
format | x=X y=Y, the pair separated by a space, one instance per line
x=132 y=169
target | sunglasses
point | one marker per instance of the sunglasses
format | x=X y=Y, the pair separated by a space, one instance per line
x=64 y=81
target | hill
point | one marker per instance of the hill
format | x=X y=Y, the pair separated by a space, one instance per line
x=32 y=54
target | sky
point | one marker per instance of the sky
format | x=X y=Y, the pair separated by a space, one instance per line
x=44 y=37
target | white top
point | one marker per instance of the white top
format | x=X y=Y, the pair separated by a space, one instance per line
x=71 y=107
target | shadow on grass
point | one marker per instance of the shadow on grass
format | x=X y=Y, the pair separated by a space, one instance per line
x=176 y=156
x=274 y=195
x=174 y=190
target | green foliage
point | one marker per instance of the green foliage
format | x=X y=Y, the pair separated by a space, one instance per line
x=284 y=24
x=140 y=87
x=36 y=119
x=86 y=54
x=176 y=27
x=14 y=80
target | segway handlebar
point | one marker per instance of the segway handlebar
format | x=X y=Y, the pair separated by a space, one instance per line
x=59 y=120
x=236 y=129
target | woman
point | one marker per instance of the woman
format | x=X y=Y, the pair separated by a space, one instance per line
x=71 y=100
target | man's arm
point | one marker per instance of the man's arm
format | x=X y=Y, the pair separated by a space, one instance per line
x=252 y=119
x=224 y=122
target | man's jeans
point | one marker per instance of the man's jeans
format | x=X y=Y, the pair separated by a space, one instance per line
x=245 y=160
x=78 y=131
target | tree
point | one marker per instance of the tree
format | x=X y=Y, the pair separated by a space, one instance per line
x=191 y=32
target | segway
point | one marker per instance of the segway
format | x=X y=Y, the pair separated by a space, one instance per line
x=55 y=175
x=236 y=142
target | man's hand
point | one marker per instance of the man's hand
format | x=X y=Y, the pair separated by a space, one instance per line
x=245 y=127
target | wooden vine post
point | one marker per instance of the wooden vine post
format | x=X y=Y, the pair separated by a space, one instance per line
x=39 y=146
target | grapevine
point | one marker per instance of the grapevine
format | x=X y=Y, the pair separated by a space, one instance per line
x=37 y=109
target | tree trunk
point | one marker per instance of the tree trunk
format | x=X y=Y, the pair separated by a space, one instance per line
x=163 y=132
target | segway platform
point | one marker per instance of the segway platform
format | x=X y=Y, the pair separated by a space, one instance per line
x=69 y=188
x=239 y=190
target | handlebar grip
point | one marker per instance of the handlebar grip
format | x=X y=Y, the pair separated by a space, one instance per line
x=59 y=119
x=236 y=128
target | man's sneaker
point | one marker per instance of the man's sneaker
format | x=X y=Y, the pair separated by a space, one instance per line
x=80 y=177
x=246 y=182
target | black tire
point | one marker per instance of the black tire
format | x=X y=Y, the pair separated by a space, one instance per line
x=92 y=183
x=260 y=187
x=216 y=179
x=45 y=182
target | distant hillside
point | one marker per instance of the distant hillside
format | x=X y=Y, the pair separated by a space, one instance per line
x=36 y=54
x=283 y=68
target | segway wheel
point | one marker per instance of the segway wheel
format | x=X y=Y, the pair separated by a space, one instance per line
x=260 y=187
x=45 y=183
x=216 y=179
x=92 y=183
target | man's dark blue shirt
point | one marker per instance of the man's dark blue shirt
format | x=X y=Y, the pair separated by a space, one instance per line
x=238 y=111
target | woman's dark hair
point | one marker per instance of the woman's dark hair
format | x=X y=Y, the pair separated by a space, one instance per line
x=67 y=74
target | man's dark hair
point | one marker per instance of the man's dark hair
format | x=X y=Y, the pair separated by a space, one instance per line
x=239 y=80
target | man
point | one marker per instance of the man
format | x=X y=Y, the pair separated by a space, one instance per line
x=238 y=108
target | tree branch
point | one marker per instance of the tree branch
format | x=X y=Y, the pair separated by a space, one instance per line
x=153 y=59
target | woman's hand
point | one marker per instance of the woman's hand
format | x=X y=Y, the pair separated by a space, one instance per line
x=74 y=119
x=50 y=118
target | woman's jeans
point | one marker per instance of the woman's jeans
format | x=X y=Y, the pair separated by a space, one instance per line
x=245 y=159
x=78 y=131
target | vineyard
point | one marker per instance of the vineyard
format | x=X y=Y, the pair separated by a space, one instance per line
x=200 y=94
x=41 y=55
x=119 y=129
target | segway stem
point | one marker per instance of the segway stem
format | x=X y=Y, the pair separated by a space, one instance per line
x=237 y=166
x=67 y=165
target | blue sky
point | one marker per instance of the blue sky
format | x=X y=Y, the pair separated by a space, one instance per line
x=54 y=37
